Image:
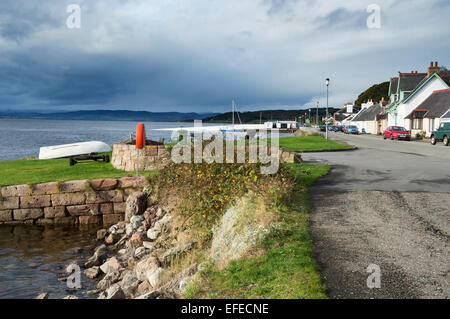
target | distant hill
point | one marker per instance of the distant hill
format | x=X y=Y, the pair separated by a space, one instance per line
x=254 y=117
x=374 y=93
x=109 y=115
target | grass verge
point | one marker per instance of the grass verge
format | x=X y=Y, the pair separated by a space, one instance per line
x=57 y=170
x=287 y=269
x=310 y=143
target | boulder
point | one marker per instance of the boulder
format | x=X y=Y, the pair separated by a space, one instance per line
x=43 y=295
x=101 y=234
x=136 y=221
x=155 y=277
x=153 y=234
x=93 y=272
x=139 y=252
x=143 y=287
x=112 y=239
x=71 y=297
x=137 y=239
x=135 y=205
x=151 y=295
x=164 y=224
x=107 y=281
x=129 y=230
x=129 y=283
x=111 y=265
x=113 y=292
x=149 y=263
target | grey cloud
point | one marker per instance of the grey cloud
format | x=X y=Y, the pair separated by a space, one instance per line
x=139 y=55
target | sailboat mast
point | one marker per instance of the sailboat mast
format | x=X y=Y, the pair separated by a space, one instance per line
x=232 y=111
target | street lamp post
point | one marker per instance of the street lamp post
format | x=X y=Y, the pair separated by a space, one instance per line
x=327 y=82
x=317 y=113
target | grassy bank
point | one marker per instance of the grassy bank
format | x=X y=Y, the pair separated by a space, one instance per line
x=310 y=143
x=39 y=171
x=57 y=170
x=286 y=269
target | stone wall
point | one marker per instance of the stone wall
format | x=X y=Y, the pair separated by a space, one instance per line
x=151 y=157
x=99 y=201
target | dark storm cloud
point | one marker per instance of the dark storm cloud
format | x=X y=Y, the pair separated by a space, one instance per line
x=198 y=55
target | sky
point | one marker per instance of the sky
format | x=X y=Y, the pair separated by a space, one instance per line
x=197 y=55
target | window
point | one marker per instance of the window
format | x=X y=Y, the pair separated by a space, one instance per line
x=418 y=124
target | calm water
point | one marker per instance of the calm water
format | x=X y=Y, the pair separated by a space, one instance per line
x=21 y=138
x=32 y=258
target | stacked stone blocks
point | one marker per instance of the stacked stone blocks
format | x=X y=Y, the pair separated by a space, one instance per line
x=98 y=201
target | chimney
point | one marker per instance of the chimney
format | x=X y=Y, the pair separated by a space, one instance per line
x=433 y=68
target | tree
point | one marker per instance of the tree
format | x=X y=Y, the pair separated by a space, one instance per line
x=374 y=93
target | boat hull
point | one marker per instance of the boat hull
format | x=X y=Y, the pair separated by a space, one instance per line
x=75 y=149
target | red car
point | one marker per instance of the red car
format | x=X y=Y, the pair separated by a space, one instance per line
x=397 y=132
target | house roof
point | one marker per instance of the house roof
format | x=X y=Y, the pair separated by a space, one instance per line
x=339 y=116
x=417 y=114
x=437 y=104
x=368 y=114
x=409 y=81
x=393 y=86
x=423 y=82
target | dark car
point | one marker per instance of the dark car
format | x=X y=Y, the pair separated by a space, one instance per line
x=351 y=129
x=441 y=134
x=397 y=132
x=323 y=128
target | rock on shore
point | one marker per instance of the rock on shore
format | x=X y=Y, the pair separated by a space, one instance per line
x=141 y=255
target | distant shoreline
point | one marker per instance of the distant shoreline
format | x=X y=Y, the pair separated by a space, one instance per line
x=109 y=115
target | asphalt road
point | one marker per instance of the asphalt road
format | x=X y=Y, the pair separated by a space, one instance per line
x=386 y=203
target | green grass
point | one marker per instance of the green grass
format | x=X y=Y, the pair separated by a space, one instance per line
x=288 y=269
x=57 y=170
x=310 y=143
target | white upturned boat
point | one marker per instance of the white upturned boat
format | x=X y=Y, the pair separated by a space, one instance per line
x=75 y=149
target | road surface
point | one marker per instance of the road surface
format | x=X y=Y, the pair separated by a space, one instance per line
x=388 y=204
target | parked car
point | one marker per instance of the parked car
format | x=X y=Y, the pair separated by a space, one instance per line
x=397 y=132
x=441 y=134
x=340 y=128
x=322 y=128
x=351 y=129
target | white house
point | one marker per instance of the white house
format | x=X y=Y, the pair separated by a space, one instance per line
x=412 y=89
x=344 y=115
x=432 y=112
x=421 y=93
x=367 y=119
